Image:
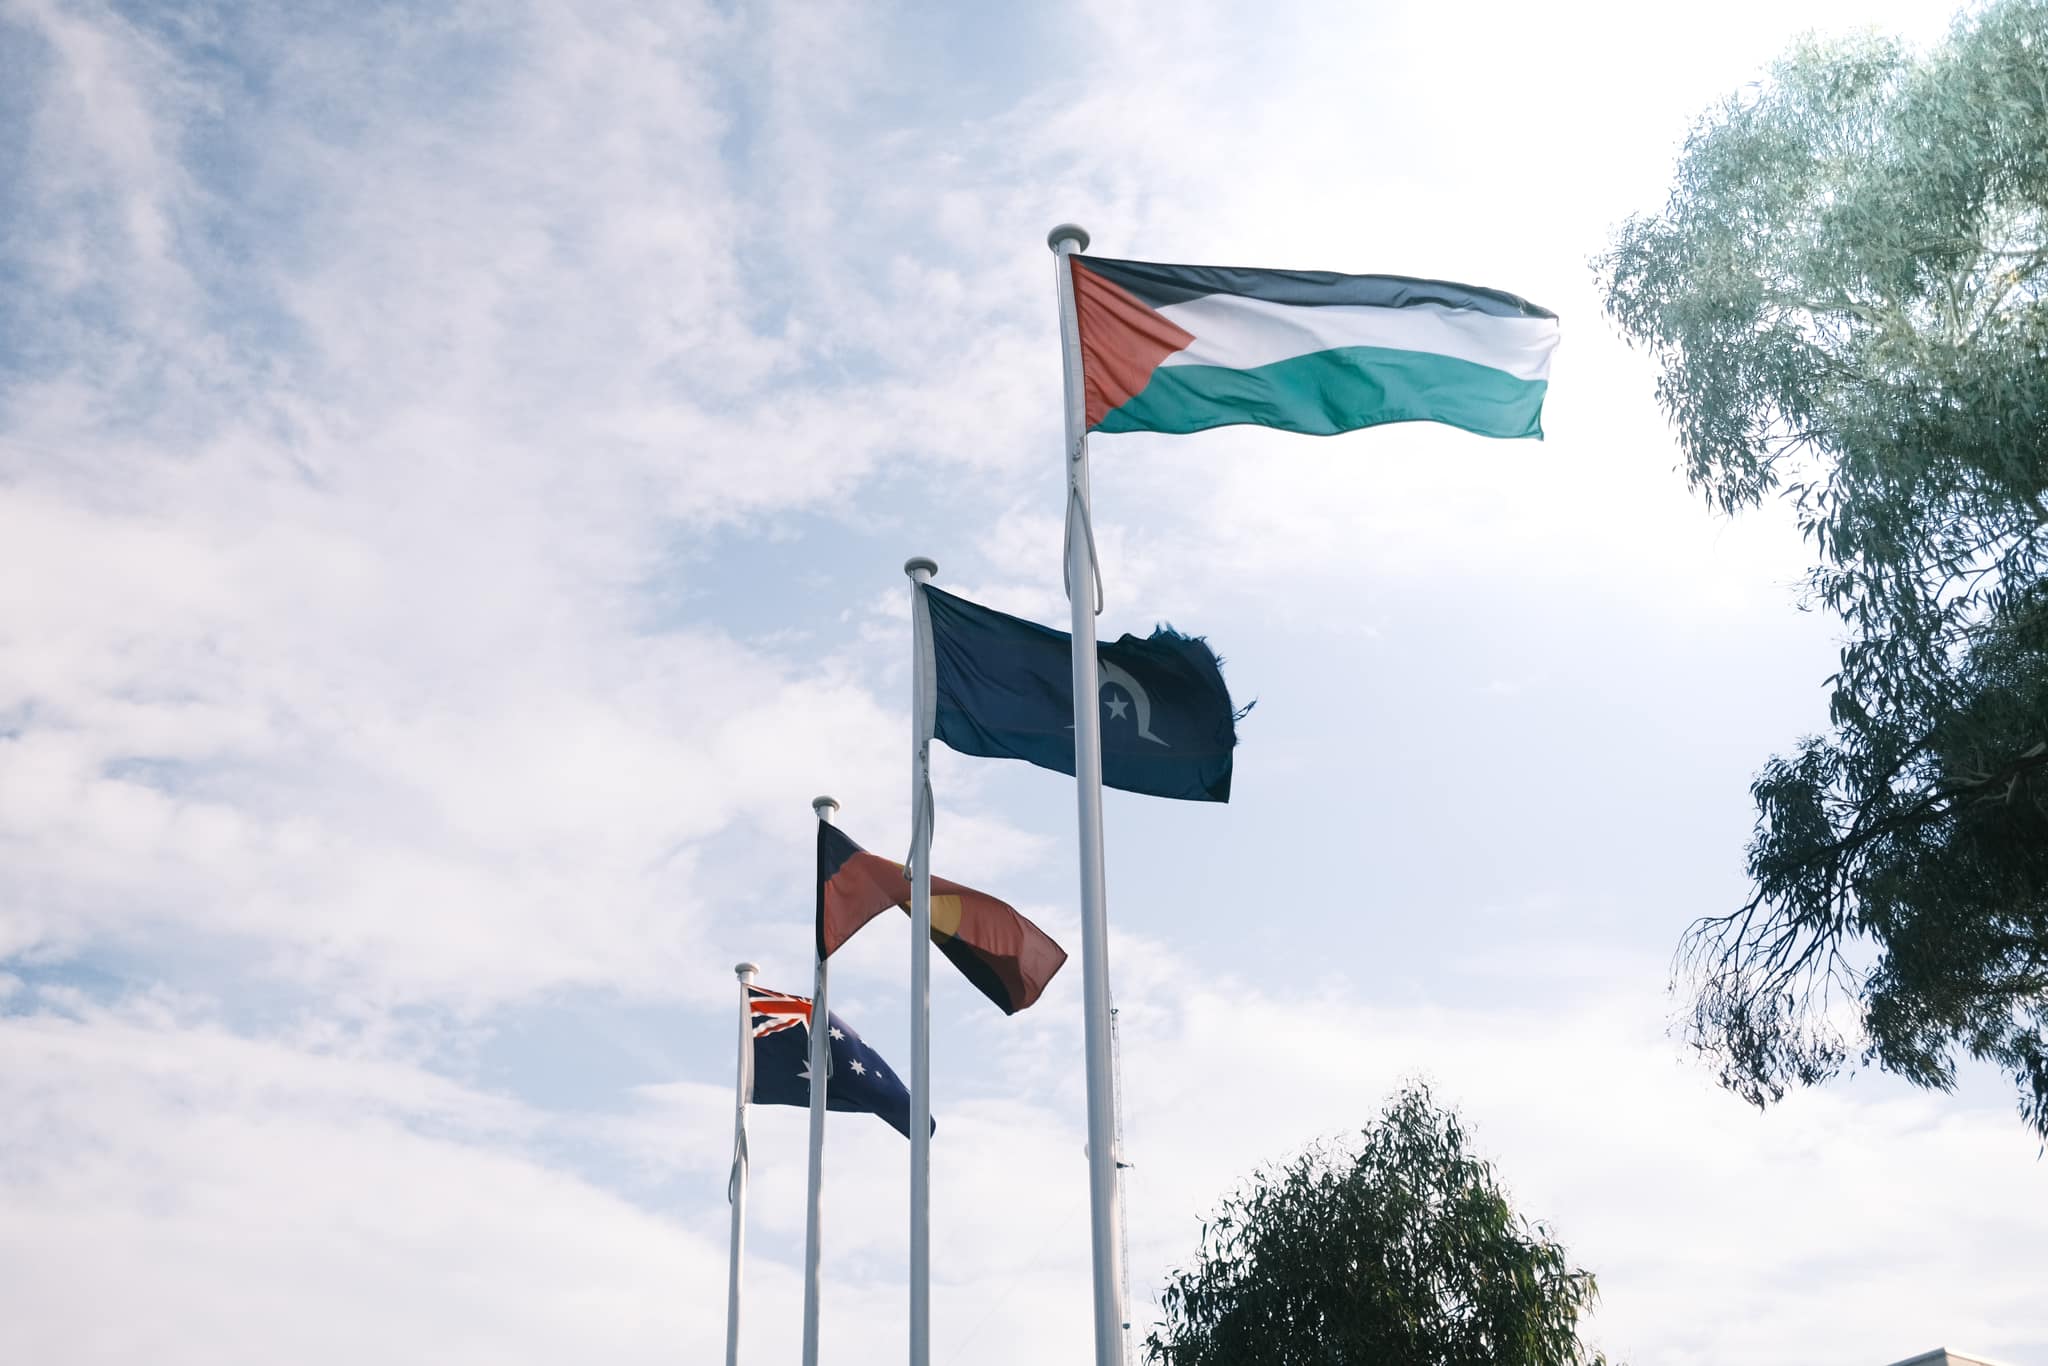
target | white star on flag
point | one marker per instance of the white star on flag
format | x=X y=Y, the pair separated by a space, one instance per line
x=855 y=1064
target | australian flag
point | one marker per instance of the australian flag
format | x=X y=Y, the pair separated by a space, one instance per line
x=859 y=1080
x=1004 y=687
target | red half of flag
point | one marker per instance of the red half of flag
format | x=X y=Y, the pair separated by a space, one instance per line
x=1009 y=959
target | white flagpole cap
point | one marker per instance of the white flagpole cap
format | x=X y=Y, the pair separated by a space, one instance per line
x=824 y=806
x=1068 y=232
x=917 y=562
x=744 y=970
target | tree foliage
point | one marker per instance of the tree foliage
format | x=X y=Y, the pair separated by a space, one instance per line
x=1847 y=293
x=1403 y=1249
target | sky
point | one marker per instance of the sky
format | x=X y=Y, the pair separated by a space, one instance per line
x=455 y=468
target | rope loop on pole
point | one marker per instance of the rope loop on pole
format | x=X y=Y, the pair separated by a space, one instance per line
x=926 y=817
x=1077 y=507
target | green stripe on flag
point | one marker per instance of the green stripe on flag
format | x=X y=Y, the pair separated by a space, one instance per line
x=1341 y=390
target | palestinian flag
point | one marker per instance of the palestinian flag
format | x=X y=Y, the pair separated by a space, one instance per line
x=1008 y=958
x=1186 y=348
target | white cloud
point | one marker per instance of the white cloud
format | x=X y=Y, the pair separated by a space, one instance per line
x=168 y=1177
x=178 y=1193
x=360 y=671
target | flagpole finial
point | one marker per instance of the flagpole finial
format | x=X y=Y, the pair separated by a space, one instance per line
x=744 y=970
x=917 y=562
x=824 y=806
x=1068 y=232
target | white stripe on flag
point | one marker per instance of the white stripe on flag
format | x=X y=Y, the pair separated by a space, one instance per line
x=1239 y=333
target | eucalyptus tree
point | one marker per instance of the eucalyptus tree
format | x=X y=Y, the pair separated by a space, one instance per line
x=1401 y=1247
x=1847 y=296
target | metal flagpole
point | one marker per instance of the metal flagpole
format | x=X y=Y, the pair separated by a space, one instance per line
x=737 y=1191
x=920 y=571
x=821 y=1073
x=1083 y=592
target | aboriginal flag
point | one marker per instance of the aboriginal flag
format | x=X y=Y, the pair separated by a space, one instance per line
x=1006 y=956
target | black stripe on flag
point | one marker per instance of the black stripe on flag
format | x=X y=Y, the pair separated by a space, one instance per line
x=1159 y=285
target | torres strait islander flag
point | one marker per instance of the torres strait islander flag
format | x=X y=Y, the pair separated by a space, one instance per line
x=1185 y=348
